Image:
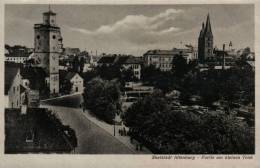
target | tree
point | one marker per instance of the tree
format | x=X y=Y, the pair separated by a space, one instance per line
x=179 y=65
x=166 y=129
x=128 y=75
x=102 y=98
x=75 y=64
x=81 y=64
x=65 y=86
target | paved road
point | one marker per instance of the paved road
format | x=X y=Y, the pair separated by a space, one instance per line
x=91 y=138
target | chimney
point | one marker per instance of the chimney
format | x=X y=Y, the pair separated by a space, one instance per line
x=223 y=61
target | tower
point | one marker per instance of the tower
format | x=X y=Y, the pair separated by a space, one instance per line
x=205 y=42
x=48 y=47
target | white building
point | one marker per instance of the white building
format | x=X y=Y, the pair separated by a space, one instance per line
x=77 y=82
x=16 y=59
x=134 y=63
x=17 y=87
x=162 y=59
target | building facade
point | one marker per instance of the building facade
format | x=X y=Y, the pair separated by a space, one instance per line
x=17 y=53
x=48 y=48
x=15 y=92
x=16 y=59
x=135 y=64
x=77 y=82
x=162 y=59
x=205 y=42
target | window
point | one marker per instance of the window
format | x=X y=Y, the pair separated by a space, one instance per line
x=52 y=21
x=14 y=89
x=54 y=37
x=17 y=103
x=77 y=89
x=38 y=36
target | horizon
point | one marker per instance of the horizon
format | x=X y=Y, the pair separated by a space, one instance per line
x=133 y=29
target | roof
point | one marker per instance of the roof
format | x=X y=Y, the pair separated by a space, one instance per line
x=107 y=59
x=32 y=72
x=122 y=59
x=70 y=75
x=11 y=70
x=67 y=75
x=208 y=26
x=133 y=60
x=160 y=52
x=36 y=76
x=172 y=52
x=17 y=51
x=220 y=52
x=49 y=13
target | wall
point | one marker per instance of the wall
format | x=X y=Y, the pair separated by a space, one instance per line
x=14 y=92
x=77 y=82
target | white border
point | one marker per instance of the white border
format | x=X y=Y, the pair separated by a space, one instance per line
x=121 y=161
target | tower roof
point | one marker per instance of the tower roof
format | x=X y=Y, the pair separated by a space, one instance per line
x=50 y=12
x=202 y=30
x=208 y=26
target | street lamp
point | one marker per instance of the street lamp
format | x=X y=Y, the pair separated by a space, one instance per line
x=115 y=126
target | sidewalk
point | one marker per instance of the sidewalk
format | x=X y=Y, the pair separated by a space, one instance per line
x=110 y=129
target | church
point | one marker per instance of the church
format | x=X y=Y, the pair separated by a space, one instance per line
x=205 y=42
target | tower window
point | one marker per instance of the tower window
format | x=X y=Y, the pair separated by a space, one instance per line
x=54 y=37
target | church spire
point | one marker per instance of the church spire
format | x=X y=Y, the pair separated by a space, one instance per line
x=208 y=26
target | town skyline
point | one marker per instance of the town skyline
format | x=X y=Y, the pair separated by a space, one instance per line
x=134 y=29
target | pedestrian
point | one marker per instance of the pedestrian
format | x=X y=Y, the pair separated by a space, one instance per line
x=124 y=131
x=141 y=147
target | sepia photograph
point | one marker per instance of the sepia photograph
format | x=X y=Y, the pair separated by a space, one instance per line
x=129 y=79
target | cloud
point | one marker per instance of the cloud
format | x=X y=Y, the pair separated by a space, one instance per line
x=136 y=29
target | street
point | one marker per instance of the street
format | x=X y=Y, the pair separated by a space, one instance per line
x=91 y=138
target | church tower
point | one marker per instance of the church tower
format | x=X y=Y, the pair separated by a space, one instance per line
x=48 y=47
x=205 y=42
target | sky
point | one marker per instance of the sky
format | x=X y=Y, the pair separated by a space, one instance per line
x=133 y=29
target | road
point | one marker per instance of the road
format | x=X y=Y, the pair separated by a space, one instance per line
x=91 y=138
